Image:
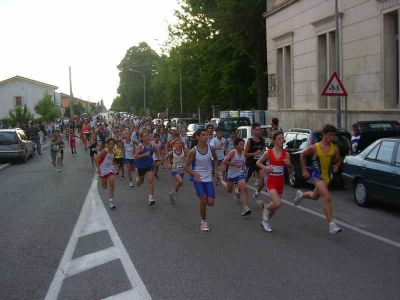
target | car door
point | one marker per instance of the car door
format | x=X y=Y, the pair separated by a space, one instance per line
x=377 y=169
x=396 y=175
x=25 y=142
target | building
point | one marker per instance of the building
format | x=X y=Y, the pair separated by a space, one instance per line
x=66 y=98
x=301 y=58
x=18 y=91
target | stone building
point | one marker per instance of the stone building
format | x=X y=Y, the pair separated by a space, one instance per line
x=301 y=58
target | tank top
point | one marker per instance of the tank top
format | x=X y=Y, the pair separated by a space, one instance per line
x=202 y=165
x=146 y=162
x=93 y=147
x=107 y=164
x=156 y=146
x=275 y=179
x=254 y=146
x=129 y=148
x=118 y=152
x=321 y=163
x=236 y=171
x=178 y=161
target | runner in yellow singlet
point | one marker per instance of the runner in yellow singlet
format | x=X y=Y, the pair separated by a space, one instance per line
x=322 y=154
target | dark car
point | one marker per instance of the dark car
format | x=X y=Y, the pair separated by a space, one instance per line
x=233 y=123
x=192 y=128
x=375 y=172
x=298 y=139
x=14 y=144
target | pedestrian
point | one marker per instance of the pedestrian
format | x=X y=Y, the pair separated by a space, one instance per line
x=322 y=154
x=129 y=156
x=276 y=159
x=198 y=165
x=235 y=162
x=105 y=164
x=35 y=137
x=355 y=138
x=275 y=125
x=55 y=150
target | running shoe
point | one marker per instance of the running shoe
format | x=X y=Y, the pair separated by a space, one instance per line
x=237 y=195
x=137 y=181
x=172 y=197
x=116 y=174
x=257 y=182
x=258 y=198
x=131 y=183
x=204 y=226
x=111 y=205
x=151 y=202
x=299 y=197
x=333 y=228
x=265 y=214
x=266 y=226
x=58 y=170
x=122 y=176
x=246 y=211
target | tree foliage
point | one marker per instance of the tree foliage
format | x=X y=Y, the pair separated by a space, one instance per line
x=46 y=107
x=20 y=114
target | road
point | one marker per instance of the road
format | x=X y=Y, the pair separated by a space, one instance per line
x=58 y=240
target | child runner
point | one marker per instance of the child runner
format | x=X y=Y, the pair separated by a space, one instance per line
x=198 y=165
x=55 y=149
x=72 y=141
x=176 y=159
x=106 y=169
x=218 y=145
x=322 y=155
x=129 y=155
x=92 y=148
x=235 y=161
x=119 y=157
x=145 y=164
x=157 y=159
x=277 y=158
x=185 y=139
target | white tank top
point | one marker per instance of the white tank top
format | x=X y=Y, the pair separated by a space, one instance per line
x=178 y=161
x=129 y=148
x=107 y=164
x=235 y=171
x=202 y=164
x=158 y=147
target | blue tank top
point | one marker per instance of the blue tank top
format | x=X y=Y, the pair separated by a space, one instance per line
x=145 y=162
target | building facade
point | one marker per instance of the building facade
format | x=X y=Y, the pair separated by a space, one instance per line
x=302 y=56
x=18 y=91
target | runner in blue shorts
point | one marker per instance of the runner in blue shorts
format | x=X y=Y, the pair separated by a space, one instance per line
x=198 y=165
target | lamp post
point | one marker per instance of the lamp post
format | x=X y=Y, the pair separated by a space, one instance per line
x=144 y=88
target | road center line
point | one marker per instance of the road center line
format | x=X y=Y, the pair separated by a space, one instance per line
x=322 y=216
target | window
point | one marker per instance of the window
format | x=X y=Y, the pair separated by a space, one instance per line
x=398 y=156
x=385 y=152
x=284 y=76
x=289 y=140
x=374 y=152
x=22 y=135
x=301 y=141
x=18 y=101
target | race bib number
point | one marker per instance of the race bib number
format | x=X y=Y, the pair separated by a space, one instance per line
x=258 y=156
x=277 y=170
x=86 y=132
x=55 y=147
x=179 y=166
x=93 y=149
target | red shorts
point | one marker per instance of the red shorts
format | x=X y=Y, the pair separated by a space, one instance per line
x=275 y=184
x=107 y=175
x=72 y=144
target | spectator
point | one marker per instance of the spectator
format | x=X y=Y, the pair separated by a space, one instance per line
x=355 y=139
x=275 y=124
x=182 y=125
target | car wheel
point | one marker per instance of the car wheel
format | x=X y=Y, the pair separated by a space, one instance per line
x=361 y=194
x=294 y=180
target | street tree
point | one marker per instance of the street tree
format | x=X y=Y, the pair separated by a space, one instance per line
x=46 y=107
x=20 y=114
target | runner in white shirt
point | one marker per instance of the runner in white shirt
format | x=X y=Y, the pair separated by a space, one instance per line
x=218 y=145
x=129 y=155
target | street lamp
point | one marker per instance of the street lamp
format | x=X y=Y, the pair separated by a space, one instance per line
x=144 y=88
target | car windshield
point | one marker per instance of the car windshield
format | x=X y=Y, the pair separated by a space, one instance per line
x=7 y=138
x=231 y=124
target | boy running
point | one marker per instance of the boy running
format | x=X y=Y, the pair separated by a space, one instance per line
x=129 y=155
x=322 y=155
x=218 y=145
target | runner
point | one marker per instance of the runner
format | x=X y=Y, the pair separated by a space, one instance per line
x=210 y=132
x=198 y=165
x=72 y=142
x=119 y=157
x=163 y=140
x=92 y=148
x=145 y=164
x=129 y=156
x=157 y=159
x=322 y=155
x=55 y=148
x=176 y=161
x=230 y=142
x=235 y=161
x=277 y=158
x=86 y=133
x=218 y=145
x=105 y=164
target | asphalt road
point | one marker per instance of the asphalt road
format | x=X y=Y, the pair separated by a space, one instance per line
x=58 y=239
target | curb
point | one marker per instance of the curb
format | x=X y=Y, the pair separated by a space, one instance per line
x=6 y=166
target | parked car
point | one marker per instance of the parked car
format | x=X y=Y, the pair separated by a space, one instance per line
x=192 y=128
x=375 y=172
x=244 y=132
x=229 y=124
x=14 y=144
x=175 y=121
x=298 y=139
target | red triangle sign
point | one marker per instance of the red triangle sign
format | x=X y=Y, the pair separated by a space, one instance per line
x=334 y=87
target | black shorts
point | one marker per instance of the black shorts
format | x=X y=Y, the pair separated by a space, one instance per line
x=250 y=170
x=143 y=171
x=92 y=153
x=119 y=161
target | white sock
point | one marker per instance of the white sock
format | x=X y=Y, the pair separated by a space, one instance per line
x=203 y=221
x=257 y=193
x=330 y=223
x=111 y=200
x=150 y=197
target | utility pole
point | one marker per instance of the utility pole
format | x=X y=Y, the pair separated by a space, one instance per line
x=180 y=83
x=71 y=96
x=337 y=49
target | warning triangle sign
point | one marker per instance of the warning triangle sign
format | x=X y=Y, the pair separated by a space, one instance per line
x=334 y=87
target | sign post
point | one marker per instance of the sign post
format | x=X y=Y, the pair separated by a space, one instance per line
x=335 y=88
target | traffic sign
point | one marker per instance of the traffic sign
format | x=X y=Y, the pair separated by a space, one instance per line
x=334 y=87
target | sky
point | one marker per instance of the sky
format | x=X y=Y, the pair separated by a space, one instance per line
x=40 y=39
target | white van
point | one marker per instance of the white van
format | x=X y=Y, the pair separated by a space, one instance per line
x=244 y=132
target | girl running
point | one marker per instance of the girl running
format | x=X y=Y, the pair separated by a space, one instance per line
x=145 y=164
x=72 y=142
x=92 y=149
x=176 y=159
x=105 y=164
x=235 y=162
x=129 y=155
x=277 y=158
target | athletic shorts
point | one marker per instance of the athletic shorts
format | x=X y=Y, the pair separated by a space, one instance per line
x=119 y=161
x=129 y=161
x=143 y=171
x=92 y=153
x=204 y=188
x=250 y=170
x=174 y=173
x=237 y=178
x=107 y=175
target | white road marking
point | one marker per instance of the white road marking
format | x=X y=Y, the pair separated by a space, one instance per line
x=364 y=232
x=95 y=217
x=128 y=295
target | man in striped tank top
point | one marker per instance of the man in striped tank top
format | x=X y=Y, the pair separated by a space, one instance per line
x=199 y=166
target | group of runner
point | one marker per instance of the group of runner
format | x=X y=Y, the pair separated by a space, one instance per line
x=230 y=162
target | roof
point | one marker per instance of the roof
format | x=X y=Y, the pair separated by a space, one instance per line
x=30 y=80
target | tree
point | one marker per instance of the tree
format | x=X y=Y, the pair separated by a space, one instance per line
x=47 y=108
x=19 y=115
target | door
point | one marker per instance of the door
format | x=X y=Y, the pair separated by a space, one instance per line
x=395 y=175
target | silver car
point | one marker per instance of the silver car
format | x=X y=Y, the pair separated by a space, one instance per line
x=14 y=144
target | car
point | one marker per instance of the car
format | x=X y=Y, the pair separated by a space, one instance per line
x=244 y=132
x=192 y=128
x=175 y=121
x=298 y=139
x=156 y=121
x=229 y=124
x=14 y=144
x=374 y=173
